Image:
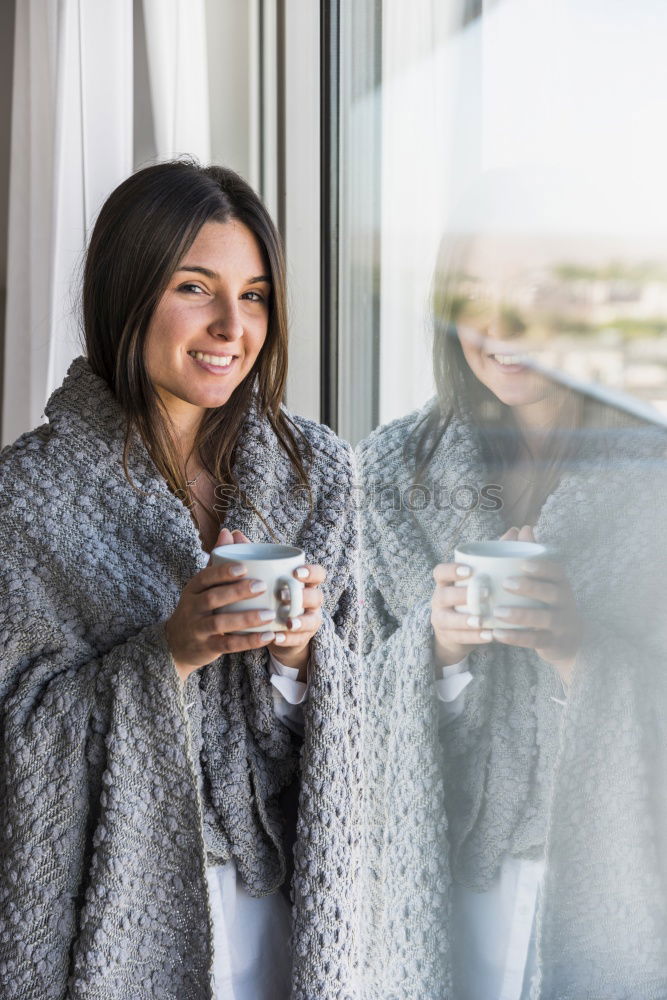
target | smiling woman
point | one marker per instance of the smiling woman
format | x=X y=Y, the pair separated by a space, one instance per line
x=152 y=829
x=196 y=268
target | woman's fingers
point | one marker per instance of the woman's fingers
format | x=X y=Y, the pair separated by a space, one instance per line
x=234 y=621
x=312 y=598
x=312 y=574
x=227 y=537
x=219 y=597
x=451 y=597
x=543 y=569
x=528 y=639
x=300 y=627
x=536 y=619
x=459 y=627
x=219 y=644
x=539 y=590
x=446 y=573
x=213 y=576
x=511 y=535
x=526 y=534
x=470 y=638
x=449 y=619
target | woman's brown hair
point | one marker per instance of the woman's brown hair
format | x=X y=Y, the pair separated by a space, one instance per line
x=143 y=230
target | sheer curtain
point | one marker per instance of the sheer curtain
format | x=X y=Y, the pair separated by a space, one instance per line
x=71 y=144
x=178 y=75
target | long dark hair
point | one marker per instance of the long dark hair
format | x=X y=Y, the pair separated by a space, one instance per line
x=143 y=230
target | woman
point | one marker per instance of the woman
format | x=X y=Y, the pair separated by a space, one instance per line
x=516 y=814
x=149 y=758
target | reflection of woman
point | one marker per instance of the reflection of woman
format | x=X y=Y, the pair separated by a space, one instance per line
x=148 y=753
x=516 y=812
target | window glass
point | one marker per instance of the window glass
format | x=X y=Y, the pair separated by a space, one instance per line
x=530 y=127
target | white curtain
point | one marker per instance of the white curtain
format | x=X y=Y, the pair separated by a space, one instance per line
x=71 y=144
x=178 y=74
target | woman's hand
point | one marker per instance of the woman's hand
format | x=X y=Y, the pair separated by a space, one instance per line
x=554 y=632
x=294 y=650
x=195 y=635
x=456 y=632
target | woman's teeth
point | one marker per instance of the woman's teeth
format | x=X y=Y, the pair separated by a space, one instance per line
x=509 y=359
x=211 y=359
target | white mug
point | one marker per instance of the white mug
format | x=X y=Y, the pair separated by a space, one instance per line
x=491 y=564
x=274 y=565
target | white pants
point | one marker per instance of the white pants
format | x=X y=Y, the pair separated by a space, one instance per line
x=251 y=952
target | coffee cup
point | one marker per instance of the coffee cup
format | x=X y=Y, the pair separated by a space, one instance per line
x=273 y=564
x=491 y=564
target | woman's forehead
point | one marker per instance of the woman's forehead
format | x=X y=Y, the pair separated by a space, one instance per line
x=221 y=245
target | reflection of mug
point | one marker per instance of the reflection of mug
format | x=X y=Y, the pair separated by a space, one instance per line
x=492 y=563
x=273 y=564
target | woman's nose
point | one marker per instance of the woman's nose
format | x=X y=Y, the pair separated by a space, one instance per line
x=227 y=323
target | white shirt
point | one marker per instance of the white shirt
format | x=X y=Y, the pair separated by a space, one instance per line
x=493 y=944
x=251 y=952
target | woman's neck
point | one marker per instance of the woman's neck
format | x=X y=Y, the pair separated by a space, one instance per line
x=185 y=420
x=536 y=421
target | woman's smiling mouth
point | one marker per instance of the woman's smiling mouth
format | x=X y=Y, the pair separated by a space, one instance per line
x=510 y=363
x=217 y=364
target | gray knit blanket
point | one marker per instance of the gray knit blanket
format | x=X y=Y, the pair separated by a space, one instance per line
x=584 y=785
x=117 y=785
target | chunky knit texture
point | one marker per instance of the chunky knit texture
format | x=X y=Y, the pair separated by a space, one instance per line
x=104 y=836
x=517 y=773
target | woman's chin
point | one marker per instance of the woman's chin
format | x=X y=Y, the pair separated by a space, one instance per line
x=520 y=389
x=519 y=395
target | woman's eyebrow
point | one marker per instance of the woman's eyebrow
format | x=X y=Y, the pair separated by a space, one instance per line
x=198 y=269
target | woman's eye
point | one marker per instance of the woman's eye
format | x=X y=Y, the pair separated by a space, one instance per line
x=188 y=287
x=253 y=296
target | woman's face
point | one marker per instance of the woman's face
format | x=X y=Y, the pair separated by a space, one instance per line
x=494 y=335
x=211 y=322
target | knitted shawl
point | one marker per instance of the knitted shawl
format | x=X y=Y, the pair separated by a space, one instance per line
x=117 y=785
x=518 y=773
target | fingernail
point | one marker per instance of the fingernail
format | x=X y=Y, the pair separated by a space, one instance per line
x=511 y=584
x=503 y=613
x=237 y=570
x=285 y=594
x=267 y=616
x=280 y=637
x=474 y=621
x=486 y=635
x=302 y=573
x=267 y=636
x=257 y=587
x=293 y=624
x=463 y=570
